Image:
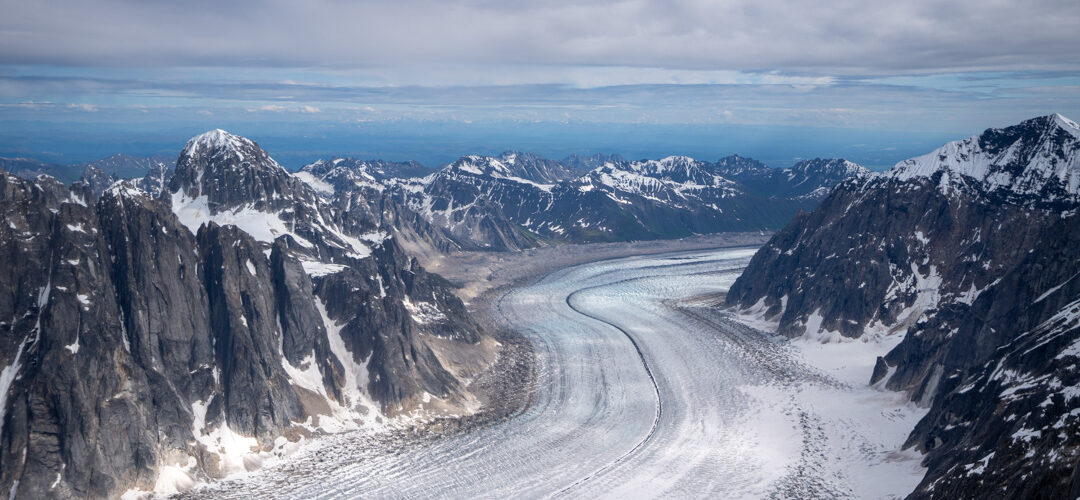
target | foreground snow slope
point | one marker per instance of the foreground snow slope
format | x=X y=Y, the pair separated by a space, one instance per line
x=638 y=395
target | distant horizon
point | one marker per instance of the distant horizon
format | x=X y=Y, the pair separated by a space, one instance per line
x=435 y=145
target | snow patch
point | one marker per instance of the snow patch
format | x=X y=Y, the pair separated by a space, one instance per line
x=355 y=392
x=316 y=183
x=423 y=312
x=234 y=450
x=315 y=268
x=262 y=226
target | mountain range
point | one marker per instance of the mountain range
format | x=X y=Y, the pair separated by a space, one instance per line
x=520 y=200
x=215 y=310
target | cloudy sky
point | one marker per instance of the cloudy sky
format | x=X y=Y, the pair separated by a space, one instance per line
x=431 y=80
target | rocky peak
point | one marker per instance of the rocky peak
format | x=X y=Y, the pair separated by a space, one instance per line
x=735 y=165
x=536 y=168
x=124 y=166
x=156 y=179
x=682 y=170
x=123 y=189
x=230 y=171
x=587 y=163
x=96 y=179
x=1035 y=163
x=838 y=168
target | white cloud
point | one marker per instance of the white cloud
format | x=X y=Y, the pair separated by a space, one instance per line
x=310 y=109
x=83 y=107
x=273 y=108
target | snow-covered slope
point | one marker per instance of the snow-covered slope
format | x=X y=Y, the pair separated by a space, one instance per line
x=228 y=179
x=1036 y=163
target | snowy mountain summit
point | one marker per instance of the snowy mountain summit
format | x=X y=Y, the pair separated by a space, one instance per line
x=229 y=171
x=1034 y=163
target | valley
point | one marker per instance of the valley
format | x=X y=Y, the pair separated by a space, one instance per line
x=640 y=386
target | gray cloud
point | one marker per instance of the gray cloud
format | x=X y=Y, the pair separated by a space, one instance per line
x=836 y=37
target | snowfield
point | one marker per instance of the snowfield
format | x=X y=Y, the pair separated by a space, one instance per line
x=644 y=389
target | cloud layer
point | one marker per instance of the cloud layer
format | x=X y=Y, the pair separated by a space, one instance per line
x=834 y=37
x=119 y=72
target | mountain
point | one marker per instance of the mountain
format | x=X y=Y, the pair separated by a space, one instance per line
x=155 y=180
x=344 y=173
x=99 y=174
x=969 y=253
x=583 y=164
x=515 y=166
x=155 y=340
x=29 y=168
x=1033 y=164
x=509 y=203
x=97 y=180
x=358 y=189
x=476 y=200
x=806 y=179
x=671 y=197
x=126 y=166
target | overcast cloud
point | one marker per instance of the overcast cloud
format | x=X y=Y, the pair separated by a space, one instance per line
x=952 y=67
x=816 y=37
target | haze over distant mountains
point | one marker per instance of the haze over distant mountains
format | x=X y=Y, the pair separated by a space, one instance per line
x=436 y=144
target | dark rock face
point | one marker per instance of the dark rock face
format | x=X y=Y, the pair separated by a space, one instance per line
x=156 y=180
x=97 y=180
x=140 y=339
x=878 y=253
x=387 y=331
x=1006 y=419
x=88 y=421
x=232 y=171
x=972 y=251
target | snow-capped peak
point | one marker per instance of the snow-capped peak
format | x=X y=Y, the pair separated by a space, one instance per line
x=1067 y=124
x=217 y=139
x=675 y=161
x=1036 y=161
